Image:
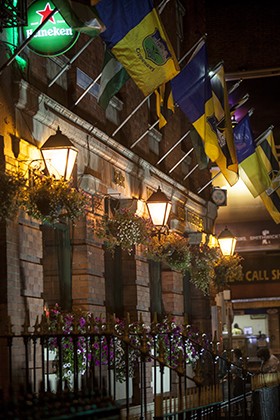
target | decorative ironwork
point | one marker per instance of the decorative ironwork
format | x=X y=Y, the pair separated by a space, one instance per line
x=159 y=348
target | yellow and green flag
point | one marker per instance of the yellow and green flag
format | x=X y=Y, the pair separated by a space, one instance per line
x=138 y=40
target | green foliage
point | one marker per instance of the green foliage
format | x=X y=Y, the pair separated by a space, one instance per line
x=210 y=268
x=124 y=229
x=172 y=249
x=202 y=269
x=50 y=200
x=228 y=269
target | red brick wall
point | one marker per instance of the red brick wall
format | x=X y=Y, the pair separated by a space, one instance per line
x=172 y=294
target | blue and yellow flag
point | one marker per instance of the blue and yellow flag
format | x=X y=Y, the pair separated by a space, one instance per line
x=139 y=42
x=251 y=169
x=192 y=92
x=227 y=161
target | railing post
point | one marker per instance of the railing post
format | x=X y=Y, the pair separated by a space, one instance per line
x=229 y=388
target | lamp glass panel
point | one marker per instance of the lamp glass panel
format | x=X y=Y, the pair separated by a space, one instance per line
x=72 y=154
x=60 y=162
x=159 y=213
x=227 y=245
x=56 y=161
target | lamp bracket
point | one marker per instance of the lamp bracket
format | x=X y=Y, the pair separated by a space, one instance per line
x=33 y=165
x=160 y=231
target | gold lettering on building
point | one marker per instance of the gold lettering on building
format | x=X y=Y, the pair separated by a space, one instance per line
x=195 y=220
x=275 y=274
x=262 y=275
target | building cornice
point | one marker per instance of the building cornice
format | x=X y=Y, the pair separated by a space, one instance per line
x=50 y=113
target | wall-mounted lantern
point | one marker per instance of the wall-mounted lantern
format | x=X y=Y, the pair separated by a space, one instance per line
x=159 y=207
x=227 y=242
x=59 y=155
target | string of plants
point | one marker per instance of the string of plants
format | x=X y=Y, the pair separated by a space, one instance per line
x=54 y=201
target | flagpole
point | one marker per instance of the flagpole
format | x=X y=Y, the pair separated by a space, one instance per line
x=181 y=160
x=143 y=135
x=26 y=42
x=235 y=86
x=87 y=89
x=208 y=183
x=264 y=134
x=191 y=171
x=68 y=64
x=145 y=99
x=215 y=70
x=242 y=101
x=173 y=147
x=192 y=48
x=130 y=115
x=162 y=5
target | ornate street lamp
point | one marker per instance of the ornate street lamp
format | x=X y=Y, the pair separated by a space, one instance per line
x=227 y=242
x=159 y=208
x=59 y=155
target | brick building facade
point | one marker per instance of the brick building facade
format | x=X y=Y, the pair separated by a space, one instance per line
x=68 y=264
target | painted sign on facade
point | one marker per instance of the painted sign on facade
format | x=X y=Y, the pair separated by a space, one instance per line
x=55 y=37
x=261 y=268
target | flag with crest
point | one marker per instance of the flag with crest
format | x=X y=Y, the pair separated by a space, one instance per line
x=135 y=35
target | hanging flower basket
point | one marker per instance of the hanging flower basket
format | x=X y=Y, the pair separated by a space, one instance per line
x=52 y=201
x=124 y=229
x=202 y=267
x=228 y=269
x=11 y=194
x=171 y=249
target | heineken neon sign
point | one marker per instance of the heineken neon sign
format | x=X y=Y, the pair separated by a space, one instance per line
x=55 y=37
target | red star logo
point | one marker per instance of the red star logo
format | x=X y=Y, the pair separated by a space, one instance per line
x=45 y=13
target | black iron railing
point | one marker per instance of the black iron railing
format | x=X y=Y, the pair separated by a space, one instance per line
x=118 y=371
